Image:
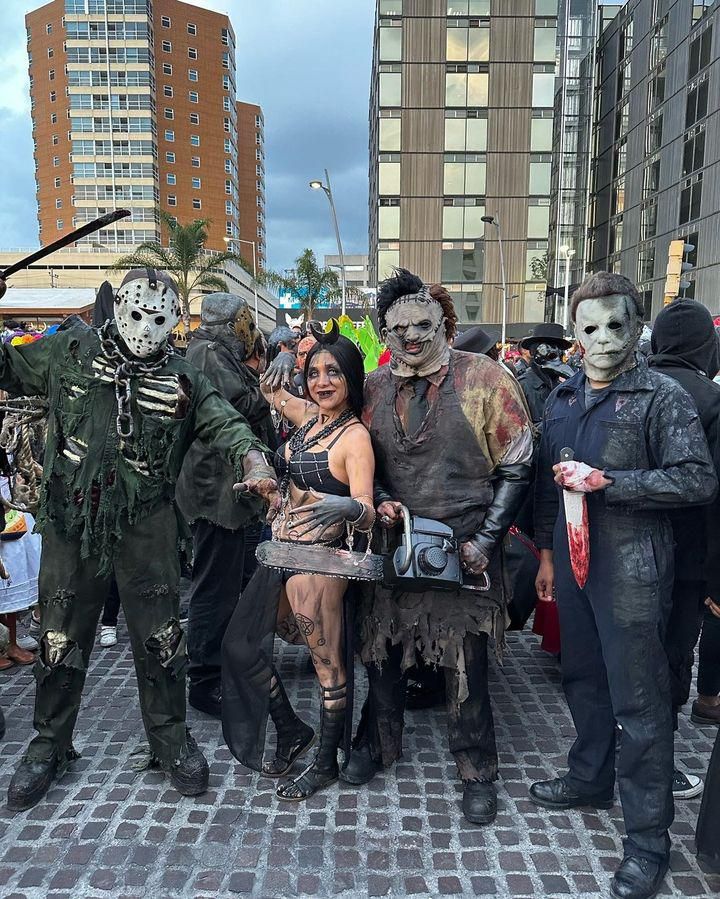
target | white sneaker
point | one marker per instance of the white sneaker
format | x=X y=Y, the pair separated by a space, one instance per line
x=108 y=635
x=27 y=642
x=686 y=786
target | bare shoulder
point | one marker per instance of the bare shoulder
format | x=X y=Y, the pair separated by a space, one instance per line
x=356 y=439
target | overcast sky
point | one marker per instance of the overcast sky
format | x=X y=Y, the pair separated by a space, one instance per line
x=306 y=62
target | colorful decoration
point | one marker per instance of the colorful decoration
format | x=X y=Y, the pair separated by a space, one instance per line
x=365 y=337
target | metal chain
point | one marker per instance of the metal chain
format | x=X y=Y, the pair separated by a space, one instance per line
x=24 y=425
x=125 y=368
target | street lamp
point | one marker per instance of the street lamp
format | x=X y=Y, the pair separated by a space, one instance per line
x=230 y=241
x=493 y=220
x=568 y=254
x=318 y=185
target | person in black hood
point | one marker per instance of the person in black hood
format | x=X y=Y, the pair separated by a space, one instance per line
x=546 y=344
x=685 y=346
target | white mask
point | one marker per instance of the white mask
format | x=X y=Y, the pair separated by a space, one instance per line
x=608 y=329
x=415 y=335
x=145 y=315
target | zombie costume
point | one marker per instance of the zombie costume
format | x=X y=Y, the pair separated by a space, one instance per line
x=452 y=443
x=123 y=413
x=639 y=450
x=226 y=530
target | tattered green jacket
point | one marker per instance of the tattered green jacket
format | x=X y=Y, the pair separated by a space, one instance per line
x=94 y=481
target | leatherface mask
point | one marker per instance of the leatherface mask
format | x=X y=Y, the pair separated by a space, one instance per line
x=146 y=311
x=415 y=335
x=608 y=330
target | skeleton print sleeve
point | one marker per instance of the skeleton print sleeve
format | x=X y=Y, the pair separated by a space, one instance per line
x=684 y=472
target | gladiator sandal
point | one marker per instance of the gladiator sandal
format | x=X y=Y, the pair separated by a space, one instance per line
x=323 y=770
x=294 y=737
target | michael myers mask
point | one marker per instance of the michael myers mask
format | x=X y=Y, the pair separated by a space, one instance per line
x=146 y=310
x=608 y=329
x=415 y=335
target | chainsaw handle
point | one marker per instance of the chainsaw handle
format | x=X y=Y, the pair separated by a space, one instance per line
x=407 y=534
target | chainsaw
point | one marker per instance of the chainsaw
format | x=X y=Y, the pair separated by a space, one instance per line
x=428 y=558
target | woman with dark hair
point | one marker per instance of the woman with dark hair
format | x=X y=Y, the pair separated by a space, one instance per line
x=326 y=482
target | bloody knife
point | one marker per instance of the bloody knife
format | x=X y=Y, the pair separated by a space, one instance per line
x=578 y=532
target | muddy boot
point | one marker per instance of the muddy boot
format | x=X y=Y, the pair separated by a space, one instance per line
x=191 y=774
x=294 y=737
x=33 y=778
x=323 y=770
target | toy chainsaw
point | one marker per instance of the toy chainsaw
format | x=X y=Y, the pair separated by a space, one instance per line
x=428 y=558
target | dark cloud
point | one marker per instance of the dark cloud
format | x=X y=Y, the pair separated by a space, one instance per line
x=307 y=64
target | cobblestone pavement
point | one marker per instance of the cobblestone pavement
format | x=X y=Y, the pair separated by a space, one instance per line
x=106 y=831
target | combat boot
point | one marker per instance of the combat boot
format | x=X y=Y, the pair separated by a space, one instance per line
x=190 y=776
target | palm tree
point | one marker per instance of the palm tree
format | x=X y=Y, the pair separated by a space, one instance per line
x=309 y=284
x=184 y=258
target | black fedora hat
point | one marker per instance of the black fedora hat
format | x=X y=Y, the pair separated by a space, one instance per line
x=546 y=332
x=475 y=340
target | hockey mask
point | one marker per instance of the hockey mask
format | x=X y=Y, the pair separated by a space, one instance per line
x=146 y=310
x=415 y=335
x=245 y=330
x=608 y=330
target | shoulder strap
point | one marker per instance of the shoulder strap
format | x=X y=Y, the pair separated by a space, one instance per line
x=340 y=433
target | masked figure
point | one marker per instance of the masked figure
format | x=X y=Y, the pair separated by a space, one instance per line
x=226 y=529
x=639 y=450
x=546 y=345
x=452 y=443
x=123 y=412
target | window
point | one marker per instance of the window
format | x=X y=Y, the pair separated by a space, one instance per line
x=58 y=203
x=622 y=120
x=191 y=29
x=228 y=167
x=536 y=263
x=538 y=222
x=225 y=37
x=167 y=46
x=51 y=75
x=619 y=159
x=228 y=186
x=465 y=134
x=57 y=182
x=463 y=178
x=626 y=38
x=541 y=135
x=169 y=113
x=389 y=178
x=543 y=93
x=194 y=140
x=172 y=200
x=59 y=224
x=48 y=29
x=53 y=118
x=389 y=222
x=193 y=97
x=387 y=260
x=389 y=134
x=546 y=7
x=697 y=103
x=56 y=161
x=694 y=150
x=539 y=178
x=656 y=89
x=646 y=264
x=170 y=136
x=617 y=201
x=468 y=7
x=195 y=162
x=171 y=178
x=390 y=89
x=690 y=199
x=55 y=140
x=196 y=203
x=624 y=78
x=170 y=158
x=167 y=68
x=192 y=53
x=654 y=133
x=165 y=21
x=616 y=236
x=53 y=96
x=167 y=91
x=648 y=220
x=699 y=55
x=192 y=74
x=466 y=88
x=196 y=183
x=226 y=125
x=467 y=44
x=463 y=221
x=195 y=119
x=544 y=45
x=651 y=178
x=390 y=47
x=228 y=207
x=658 y=45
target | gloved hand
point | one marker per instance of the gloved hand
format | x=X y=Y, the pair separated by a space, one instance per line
x=279 y=372
x=472 y=558
x=258 y=478
x=325 y=512
x=579 y=477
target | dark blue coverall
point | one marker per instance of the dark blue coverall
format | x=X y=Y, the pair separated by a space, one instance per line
x=645 y=434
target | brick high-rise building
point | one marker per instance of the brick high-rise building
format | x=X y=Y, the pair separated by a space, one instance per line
x=133 y=104
x=251 y=179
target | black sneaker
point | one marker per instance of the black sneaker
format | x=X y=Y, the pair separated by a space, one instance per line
x=686 y=786
x=190 y=776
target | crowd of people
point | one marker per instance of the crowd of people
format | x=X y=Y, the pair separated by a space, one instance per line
x=407 y=517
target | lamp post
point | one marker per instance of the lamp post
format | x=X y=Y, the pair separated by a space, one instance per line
x=230 y=241
x=318 y=185
x=568 y=254
x=493 y=220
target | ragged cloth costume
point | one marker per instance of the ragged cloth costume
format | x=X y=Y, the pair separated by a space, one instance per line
x=453 y=443
x=119 y=427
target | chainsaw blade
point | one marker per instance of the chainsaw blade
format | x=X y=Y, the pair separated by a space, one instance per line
x=313 y=559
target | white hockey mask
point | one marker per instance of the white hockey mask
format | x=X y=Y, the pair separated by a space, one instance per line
x=609 y=330
x=146 y=311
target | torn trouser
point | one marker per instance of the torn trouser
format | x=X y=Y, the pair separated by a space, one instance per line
x=72 y=596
